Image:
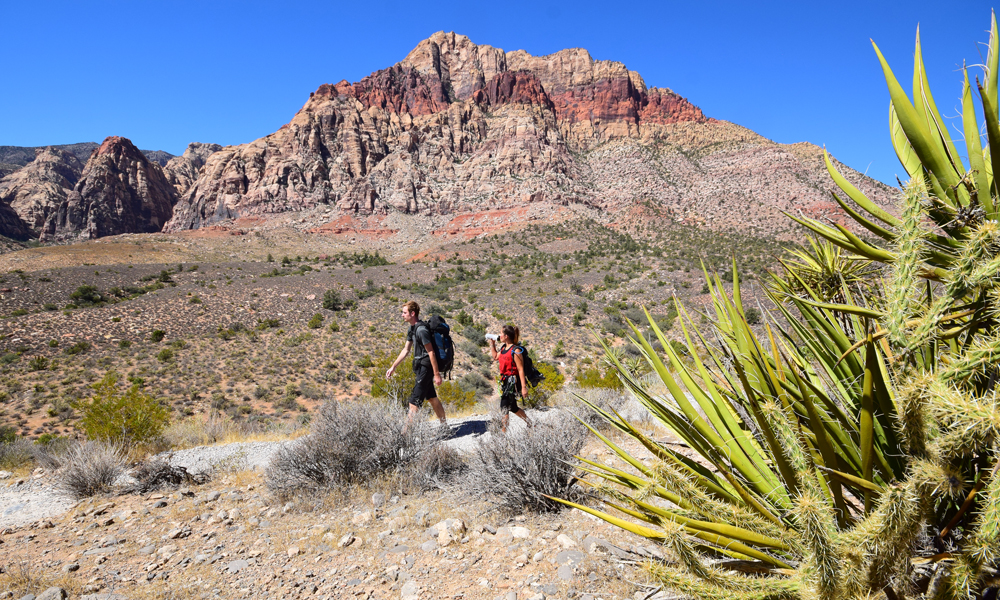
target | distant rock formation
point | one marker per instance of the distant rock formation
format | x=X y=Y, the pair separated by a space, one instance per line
x=119 y=191
x=38 y=189
x=183 y=170
x=458 y=128
x=11 y=225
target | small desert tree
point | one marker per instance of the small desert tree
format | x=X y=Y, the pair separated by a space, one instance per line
x=131 y=417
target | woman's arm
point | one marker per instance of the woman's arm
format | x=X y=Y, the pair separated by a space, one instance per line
x=519 y=361
x=493 y=349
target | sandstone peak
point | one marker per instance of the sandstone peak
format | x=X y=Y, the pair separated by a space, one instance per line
x=36 y=190
x=459 y=128
x=119 y=191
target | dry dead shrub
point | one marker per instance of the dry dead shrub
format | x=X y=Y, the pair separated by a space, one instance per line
x=157 y=473
x=91 y=468
x=350 y=442
x=516 y=471
x=437 y=466
x=15 y=454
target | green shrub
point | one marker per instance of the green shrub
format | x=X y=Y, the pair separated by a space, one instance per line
x=78 y=348
x=165 y=355
x=316 y=321
x=53 y=343
x=9 y=358
x=396 y=389
x=332 y=300
x=263 y=324
x=592 y=378
x=157 y=335
x=38 y=363
x=452 y=394
x=334 y=326
x=19 y=312
x=194 y=300
x=131 y=417
x=559 y=351
x=86 y=295
x=123 y=344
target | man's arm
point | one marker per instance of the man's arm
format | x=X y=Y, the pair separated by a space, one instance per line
x=399 y=359
x=434 y=363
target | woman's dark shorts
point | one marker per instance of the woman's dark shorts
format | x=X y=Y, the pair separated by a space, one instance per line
x=423 y=389
x=510 y=389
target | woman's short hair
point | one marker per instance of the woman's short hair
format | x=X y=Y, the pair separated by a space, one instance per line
x=512 y=332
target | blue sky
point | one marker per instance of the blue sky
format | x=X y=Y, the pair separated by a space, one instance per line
x=167 y=73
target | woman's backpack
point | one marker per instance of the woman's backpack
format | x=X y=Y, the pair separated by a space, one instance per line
x=533 y=375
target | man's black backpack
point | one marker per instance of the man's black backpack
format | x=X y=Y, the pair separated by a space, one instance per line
x=444 y=348
x=533 y=375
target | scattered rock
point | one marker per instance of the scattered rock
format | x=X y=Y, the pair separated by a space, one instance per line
x=70 y=567
x=236 y=566
x=53 y=593
x=570 y=557
x=565 y=541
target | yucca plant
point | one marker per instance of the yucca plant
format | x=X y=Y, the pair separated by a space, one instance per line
x=868 y=469
x=796 y=443
x=825 y=269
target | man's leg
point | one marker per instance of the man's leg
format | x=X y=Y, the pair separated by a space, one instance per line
x=438 y=409
x=414 y=409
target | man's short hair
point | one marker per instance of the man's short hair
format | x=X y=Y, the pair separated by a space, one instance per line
x=413 y=307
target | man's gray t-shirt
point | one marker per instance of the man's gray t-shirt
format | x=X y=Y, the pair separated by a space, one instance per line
x=419 y=334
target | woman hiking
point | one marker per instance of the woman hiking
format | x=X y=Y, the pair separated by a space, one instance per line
x=513 y=382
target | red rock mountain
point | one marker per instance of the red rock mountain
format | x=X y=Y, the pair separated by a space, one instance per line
x=453 y=132
x=457 y=128
x=119 y=191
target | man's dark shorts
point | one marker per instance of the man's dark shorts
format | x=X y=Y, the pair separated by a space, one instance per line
x=423 y=389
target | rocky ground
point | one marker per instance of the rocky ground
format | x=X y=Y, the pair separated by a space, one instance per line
x=230 y=538
x=560 y=284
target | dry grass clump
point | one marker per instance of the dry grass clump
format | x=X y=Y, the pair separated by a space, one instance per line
x=221 y=429
x=91 y=468
x=16 y=454
x=436 y=467
x=516 y=471
x=350 y=443
x=609 y=400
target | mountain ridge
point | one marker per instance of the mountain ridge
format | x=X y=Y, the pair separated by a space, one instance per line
x=457 y=128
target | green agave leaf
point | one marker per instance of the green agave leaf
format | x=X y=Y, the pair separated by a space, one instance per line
x=855 y=194
x=904 y=151
x=974 y=147
x=914 y=127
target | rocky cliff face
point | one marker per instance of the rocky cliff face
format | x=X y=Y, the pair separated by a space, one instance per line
x=183 y=170
x=11 y=225
x=35 y=191
x=119 y=191
x=457 y=127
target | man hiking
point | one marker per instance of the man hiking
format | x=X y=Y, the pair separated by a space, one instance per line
x=425 y=364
